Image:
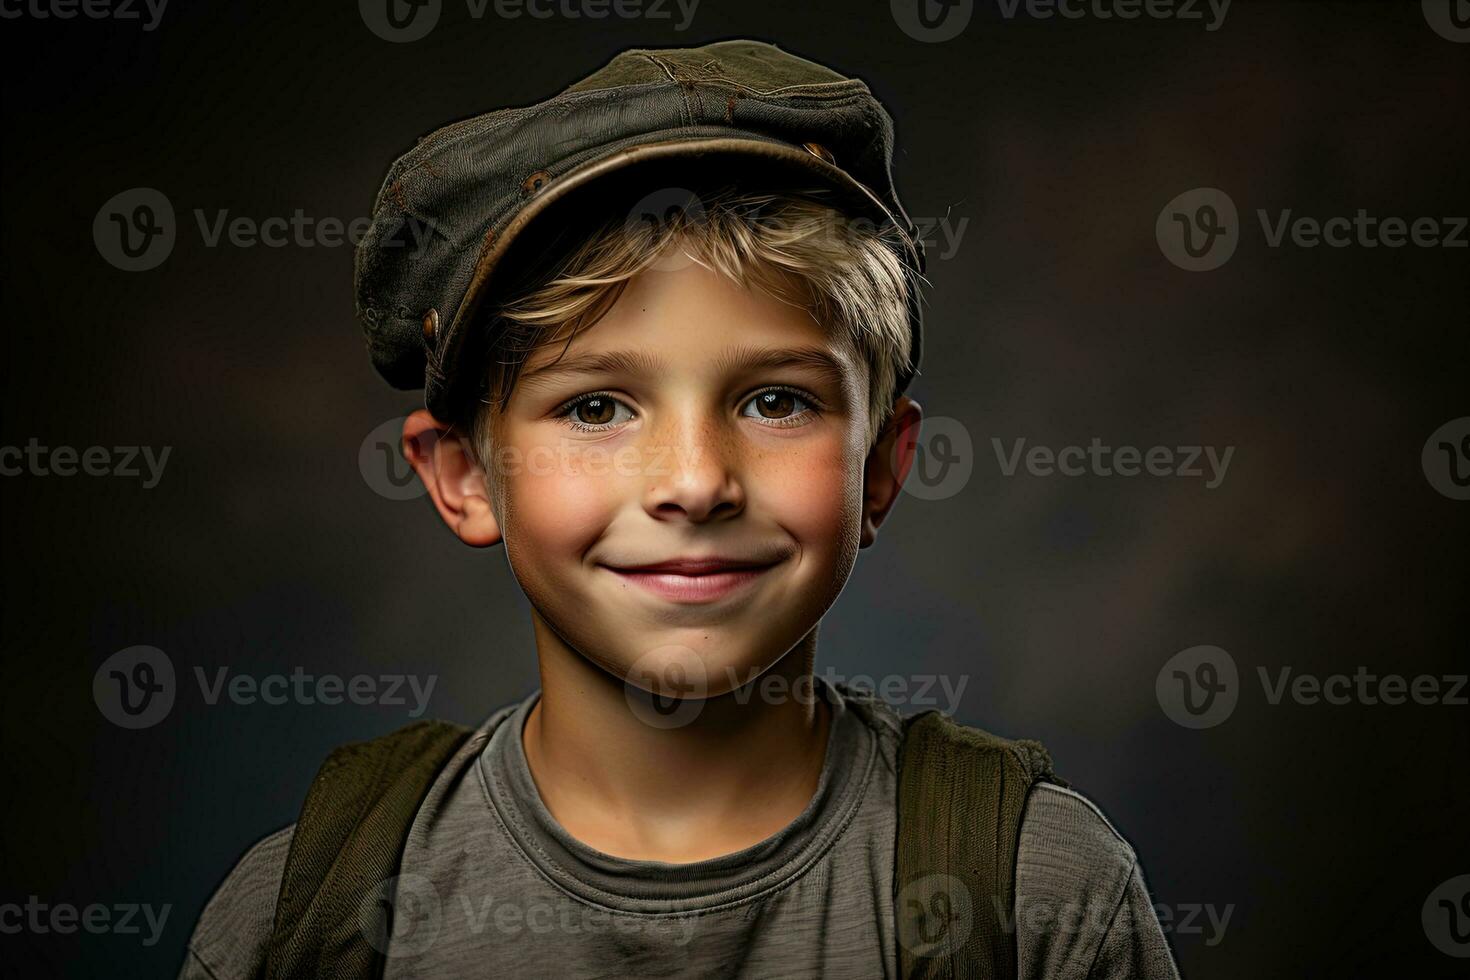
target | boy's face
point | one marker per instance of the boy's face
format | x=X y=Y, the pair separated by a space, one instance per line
x=687 y=484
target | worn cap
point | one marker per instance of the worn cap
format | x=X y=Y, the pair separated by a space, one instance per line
x=476 y=203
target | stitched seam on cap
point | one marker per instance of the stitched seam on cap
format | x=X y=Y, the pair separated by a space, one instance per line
x=799 y=86
x=668 y=70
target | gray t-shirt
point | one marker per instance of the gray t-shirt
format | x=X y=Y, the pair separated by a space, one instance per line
x=491 y=885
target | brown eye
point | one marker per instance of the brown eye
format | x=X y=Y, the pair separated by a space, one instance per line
x=776 y=404
x=596 y=411
x=779 y=406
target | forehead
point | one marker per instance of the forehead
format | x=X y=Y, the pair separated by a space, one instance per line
x=683 y=315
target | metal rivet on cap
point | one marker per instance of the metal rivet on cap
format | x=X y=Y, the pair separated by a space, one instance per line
x=535 y=182
x=818 y=150
x=431 y=325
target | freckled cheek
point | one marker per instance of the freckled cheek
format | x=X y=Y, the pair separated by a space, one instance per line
x=809 y=491
x=559 y=501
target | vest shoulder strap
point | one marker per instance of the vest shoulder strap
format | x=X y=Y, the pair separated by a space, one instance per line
x=347 y=843
x=961 y=794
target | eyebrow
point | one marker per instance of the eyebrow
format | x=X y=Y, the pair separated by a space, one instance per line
x=734 y=359
x=608 y=362
x=816 y=359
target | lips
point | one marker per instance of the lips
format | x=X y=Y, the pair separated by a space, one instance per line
x=696 y=566
x=694 y=579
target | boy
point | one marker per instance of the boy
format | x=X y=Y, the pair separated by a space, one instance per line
x=664 y=323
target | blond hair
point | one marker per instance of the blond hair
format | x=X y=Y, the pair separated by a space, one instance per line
x=793 y=246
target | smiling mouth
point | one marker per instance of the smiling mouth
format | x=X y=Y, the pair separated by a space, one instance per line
x=694 y=579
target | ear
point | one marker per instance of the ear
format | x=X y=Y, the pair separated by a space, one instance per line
x=888 y=464
x=442 y=459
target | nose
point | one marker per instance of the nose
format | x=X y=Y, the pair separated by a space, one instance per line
x=693 y=471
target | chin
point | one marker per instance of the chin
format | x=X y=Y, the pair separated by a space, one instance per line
x=687 y=662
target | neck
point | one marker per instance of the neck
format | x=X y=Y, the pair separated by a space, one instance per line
x=735 y=774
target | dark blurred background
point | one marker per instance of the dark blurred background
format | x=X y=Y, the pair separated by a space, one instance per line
x=1051 y=145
